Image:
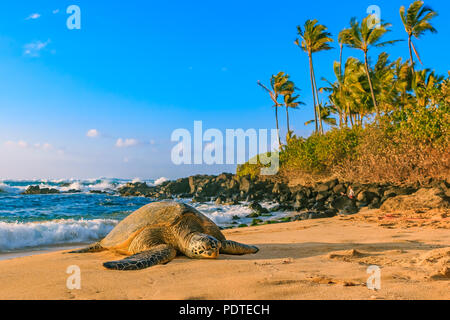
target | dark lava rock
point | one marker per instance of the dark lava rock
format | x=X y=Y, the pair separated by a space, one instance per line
x=322 y=195
x=315 y=215
x=322 y=188
x=97 y=192
x=397 y=191
x=256 y=207
x=253 y=215
x=366 y=196
x=178 y=187
x=73 y=191
x=199 y=199
x=339 y=189
x=38 y=190
x=136 y=189
x=344 y=205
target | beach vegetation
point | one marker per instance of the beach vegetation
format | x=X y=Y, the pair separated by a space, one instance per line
x=383 y=121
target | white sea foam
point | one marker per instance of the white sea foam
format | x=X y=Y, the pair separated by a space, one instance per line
x=9 y=189
x=16 y=236
x=222 y=215
x=73 y=186
x=160 y=180
x=103 y=185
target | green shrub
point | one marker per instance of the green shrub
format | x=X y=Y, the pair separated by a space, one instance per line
x=318 y=153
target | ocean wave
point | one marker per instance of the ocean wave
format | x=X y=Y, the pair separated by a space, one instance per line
x=17 y=236
x=9 y=189
x=68 y=185
x=160 y=181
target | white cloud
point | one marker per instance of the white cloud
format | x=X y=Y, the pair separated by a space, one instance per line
x=25 y=145
x=33 y=16
x=20 y=144
x=44 y=146
x=34 y=48
x=93 y=133
x=123 y=143
x=55 y=11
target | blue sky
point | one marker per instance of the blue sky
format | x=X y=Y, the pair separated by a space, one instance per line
x=137 y=70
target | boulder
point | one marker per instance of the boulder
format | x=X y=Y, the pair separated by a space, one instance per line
x=136 y=189
x=323 y=187
x=397 y=191
x=365 y=196
x=322 y=195
x=38 y=190
x=332 y=183
x=339 y=189
x=245 y=185
x=178 y=187
x=344 y=205
x=315 y=215
x=256 y=207
x=424 y=199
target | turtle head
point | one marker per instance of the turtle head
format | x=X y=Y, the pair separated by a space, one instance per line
x=203 y=246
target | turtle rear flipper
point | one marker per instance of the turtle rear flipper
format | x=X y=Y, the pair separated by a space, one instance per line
x=159 y=255
x=96 y=247
x=233 y=247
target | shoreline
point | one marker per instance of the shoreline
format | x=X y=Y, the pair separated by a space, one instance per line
x=245 y=201
x=311 y=259
x=38 y=251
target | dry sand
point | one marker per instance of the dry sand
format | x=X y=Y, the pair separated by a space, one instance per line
x=316 y=259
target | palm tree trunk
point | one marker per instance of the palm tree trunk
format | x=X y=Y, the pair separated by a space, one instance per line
x=319 y=111
x=278 y=130
x=319 y=116
x=313 y=93
x=287 y=119
x=366 y=63
x=341 y=45
x=410 y=53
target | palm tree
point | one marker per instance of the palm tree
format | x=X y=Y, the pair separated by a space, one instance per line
x=403 y=83
x=424 y=84
x=290 y=101
x=384 y=81
x=276 y=83
x=341 y=48
x=314 y=38
x=363 y=36
x=348 y=93
x=325 y=111
x=417 y=21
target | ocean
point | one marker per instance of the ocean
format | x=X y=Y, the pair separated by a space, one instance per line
x=36 y=222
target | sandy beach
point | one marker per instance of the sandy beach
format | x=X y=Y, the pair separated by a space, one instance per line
x=314 y=259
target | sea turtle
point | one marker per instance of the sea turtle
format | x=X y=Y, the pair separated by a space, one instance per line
x=157 y=232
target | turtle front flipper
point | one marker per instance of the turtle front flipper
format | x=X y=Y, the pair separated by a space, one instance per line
x=96 y=247
x=159 y=255
x=233 y=247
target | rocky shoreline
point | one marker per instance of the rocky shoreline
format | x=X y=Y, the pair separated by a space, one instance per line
x=319 y=200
